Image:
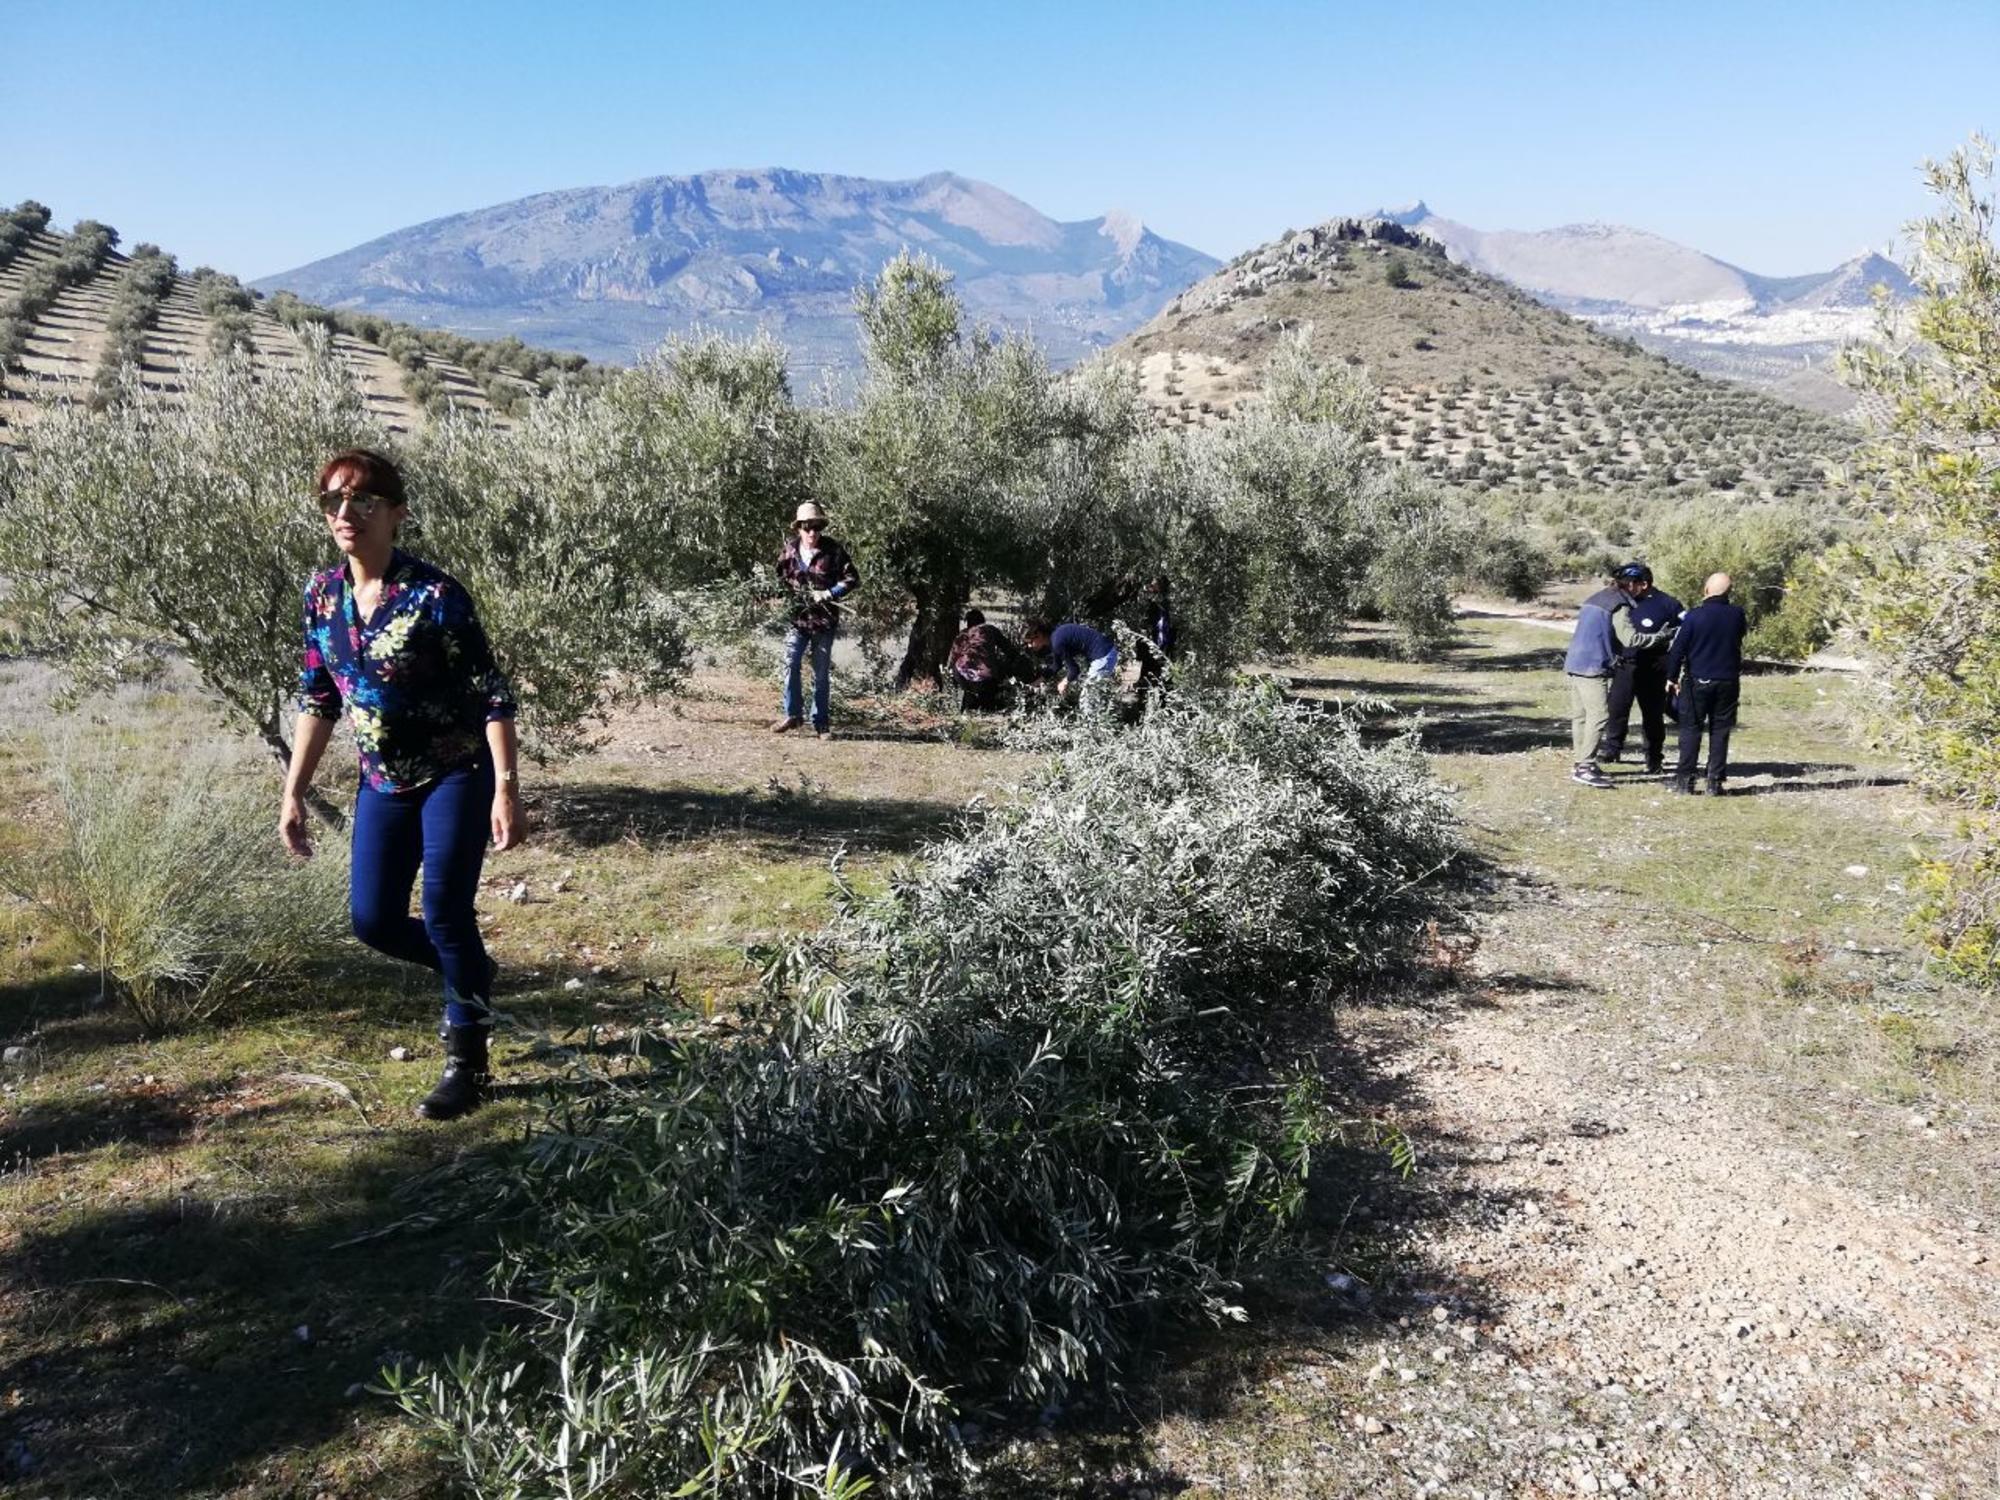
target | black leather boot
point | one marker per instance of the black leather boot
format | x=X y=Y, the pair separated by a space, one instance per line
x=462 y=1087
x=1715 y=787
x=1684 y=786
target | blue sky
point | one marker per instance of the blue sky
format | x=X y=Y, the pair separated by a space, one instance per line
x=1783 y=137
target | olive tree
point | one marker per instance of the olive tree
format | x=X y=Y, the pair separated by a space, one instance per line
x=924 y=469
x=729 y=456
x=182 y=525
x=1927 y=579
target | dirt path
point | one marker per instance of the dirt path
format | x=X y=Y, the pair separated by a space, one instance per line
x=1657 y=1292
x=1702 y=1146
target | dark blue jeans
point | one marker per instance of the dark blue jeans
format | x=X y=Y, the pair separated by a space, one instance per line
x=444 y=828
x=819 y=643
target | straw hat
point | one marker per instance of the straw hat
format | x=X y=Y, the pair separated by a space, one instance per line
x=809 y=511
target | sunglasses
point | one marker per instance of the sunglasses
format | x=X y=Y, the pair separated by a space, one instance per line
x=359 y=504
x=812 y=525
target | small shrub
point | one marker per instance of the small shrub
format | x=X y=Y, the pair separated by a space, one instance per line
x=176 y=887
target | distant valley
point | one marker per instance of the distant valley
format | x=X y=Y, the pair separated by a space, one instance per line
x=1777 y=332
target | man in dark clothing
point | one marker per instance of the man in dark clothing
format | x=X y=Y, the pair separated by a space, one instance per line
x=1709 y=649
x=1604 y=632
x=1641 y=673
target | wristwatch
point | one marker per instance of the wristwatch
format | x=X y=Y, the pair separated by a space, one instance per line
x=509 y=776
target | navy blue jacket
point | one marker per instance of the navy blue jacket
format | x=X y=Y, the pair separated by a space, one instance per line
x=1655 y=612
x=1074 y=647
x=1710 y=644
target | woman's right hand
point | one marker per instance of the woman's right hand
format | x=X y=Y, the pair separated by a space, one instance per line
x=292 y=825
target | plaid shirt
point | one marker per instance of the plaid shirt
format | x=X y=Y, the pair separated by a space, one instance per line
x=831 y=568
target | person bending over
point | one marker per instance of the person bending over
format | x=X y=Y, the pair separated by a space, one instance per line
x=820 y=574
x=1084 y=661
x=1709 y=650
x=396 y=643
x=982 y=662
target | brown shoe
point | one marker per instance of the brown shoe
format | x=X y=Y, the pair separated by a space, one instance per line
x=786 y=726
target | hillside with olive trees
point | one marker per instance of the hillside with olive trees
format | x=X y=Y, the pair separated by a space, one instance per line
x=79 y=319
x=1481 y=385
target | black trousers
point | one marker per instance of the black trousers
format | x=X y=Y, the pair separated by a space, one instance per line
x=982 y=697
x=1710 y=706
x=1643 y=682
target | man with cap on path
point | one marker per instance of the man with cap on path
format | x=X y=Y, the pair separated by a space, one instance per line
x=819 y=573
x=1605 y=631
x=1709 y=649
x=1641 y=673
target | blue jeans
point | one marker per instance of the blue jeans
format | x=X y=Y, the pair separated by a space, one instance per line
x=445 y=828
x=821 y=644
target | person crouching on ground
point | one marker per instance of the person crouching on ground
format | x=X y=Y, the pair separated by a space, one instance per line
x=1604 y=632
x=981 y=663
x=1641 y=674
x=398 y=644
x=1709 y=649
x=1085 y=661
x=820 y=573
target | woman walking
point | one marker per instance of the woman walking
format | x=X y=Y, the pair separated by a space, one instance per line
x=820 y=574
x=396 y=642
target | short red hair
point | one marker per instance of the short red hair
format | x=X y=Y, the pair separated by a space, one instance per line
x=365 y=470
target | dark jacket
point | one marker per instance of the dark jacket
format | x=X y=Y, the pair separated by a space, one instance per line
x=1073 y=647
x=1594 y=648
x=981 y=653
x=831 y=569
x=1650 y=615
x=1710 y=645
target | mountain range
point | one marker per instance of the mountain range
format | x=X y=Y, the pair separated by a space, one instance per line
x=1776 y=331
x=610 y=271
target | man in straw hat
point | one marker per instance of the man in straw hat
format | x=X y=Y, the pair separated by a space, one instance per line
x=819 y=573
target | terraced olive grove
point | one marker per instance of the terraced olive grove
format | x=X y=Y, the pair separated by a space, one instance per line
x=1481 y=386
x=73 y=311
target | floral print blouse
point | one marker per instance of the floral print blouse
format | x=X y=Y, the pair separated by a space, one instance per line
x=417 y=676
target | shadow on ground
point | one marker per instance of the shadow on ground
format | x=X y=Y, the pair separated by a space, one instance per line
x=788 y=818
x=198 y=1343
x=1498 y=727
x=1805 y=776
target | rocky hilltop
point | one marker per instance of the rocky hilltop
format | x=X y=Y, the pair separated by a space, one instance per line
x=609 y=271
x=1482 y=385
